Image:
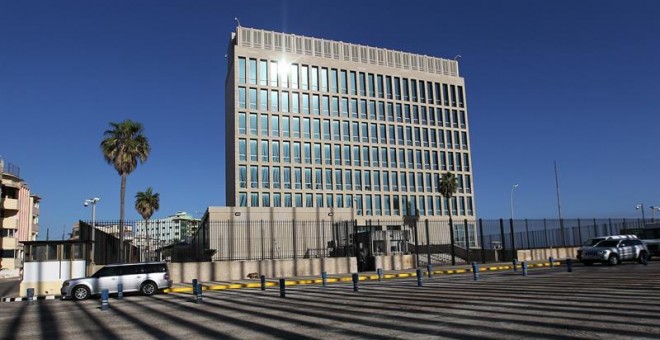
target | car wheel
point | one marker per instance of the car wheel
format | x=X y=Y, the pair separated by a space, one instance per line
x=613 y=260
x=642 y=256
x=587 y=263
x=148 y=288
x=80 y=293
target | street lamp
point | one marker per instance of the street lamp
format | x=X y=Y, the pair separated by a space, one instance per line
x=93 y=202
x=513 y=187
x=653 y=209
x=641 y=207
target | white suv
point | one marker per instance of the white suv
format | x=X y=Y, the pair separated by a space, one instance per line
x=593 y=241
x=146 y=278
x=612 y=252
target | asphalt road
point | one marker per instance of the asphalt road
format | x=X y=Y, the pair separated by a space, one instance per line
x=621 y=302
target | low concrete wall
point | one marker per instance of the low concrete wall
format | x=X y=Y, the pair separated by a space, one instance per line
x=544 y=254
x=395 y=262
x=238 y=270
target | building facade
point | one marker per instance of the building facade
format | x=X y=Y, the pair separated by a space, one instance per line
x=320 y=123
x=19 y=216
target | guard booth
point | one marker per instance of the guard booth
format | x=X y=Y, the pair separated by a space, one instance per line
x=49 y=263
x=375 y=241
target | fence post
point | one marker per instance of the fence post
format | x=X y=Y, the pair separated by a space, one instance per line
x=563 y=234
x=595 y=228
x=451 y=238
x=295 y=241
x=263 y=248
x=609 y=225
x=514 y=253
x=503 y=241
x=428 y=244
x=481 y=236
x=416 y=244
x=467 y=241
x=347 y=239
x=545 y=228
x=529 y=244
x=579 y=233
x=624 y=225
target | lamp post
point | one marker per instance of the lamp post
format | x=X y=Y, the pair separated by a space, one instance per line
x=653 y=209
x=93 y=202
x=513 y=187
x=641 y=207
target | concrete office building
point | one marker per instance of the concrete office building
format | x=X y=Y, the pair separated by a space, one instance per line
x=19 y=218
x=325 y=124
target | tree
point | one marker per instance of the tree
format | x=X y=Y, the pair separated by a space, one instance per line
x=447 y=186
x=146 y=203
x=123 y=146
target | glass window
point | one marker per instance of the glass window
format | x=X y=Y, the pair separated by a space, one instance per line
x=343 y=88
x=277 y=200
x=315 y=104
x=379 y=86
x=264 y=151
x=253 y=71
x=242 y=176
x=265 y=177
x=353 y=79
x=299 y=201
x=363 y=84
x=264 y=124
x=254 y=156
x=324 y=79
x=304 y=77
x=307 y=150
x=263 y=100
x=305 y=103
x=242 y=150
x=241 y=98
x=254 y=177
x=274 y=73
x=287 y=178
x=241 y=70
x=288 y=202
x=297 y=177
x=241 y=123
x=253 y=99
x=263 y=72
x=275 y=125
x=276 y=177
x=274 y=101
x=294 y=76
x=335 y=107
x=372 y=87
x=296 y=152
x=242 y=199
x=295 y=104
x=333 y=80
x=317 y=153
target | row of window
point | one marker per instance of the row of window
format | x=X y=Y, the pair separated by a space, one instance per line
x=276 y=101
x=279 y=74
x=350 y=155
x=369 y=205
x=343 y=179
x=326 y=129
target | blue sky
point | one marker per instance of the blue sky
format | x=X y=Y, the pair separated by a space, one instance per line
x=571 y=81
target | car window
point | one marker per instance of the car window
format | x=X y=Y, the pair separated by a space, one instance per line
x=107 y=271
x=592 y=241
x=132 y=270
x=608 y=243
x=156 y=268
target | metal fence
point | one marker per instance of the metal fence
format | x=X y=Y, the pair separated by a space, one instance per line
x=436 y=242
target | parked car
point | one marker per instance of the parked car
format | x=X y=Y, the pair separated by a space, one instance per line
x=593 y=241
x=146 y=278
x=615 y=251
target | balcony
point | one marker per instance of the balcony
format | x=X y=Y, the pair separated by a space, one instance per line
x=9 y=203
x=9 y=243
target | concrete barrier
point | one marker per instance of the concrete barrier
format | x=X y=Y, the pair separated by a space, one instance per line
x=238 y=270
x=545 y=253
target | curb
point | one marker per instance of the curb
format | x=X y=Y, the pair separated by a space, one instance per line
x=350 y=279
x=23 y=298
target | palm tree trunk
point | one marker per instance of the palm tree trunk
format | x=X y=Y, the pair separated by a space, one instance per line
x=146 y=228
x=122 y=195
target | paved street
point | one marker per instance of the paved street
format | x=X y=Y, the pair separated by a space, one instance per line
x=595 y=302
x=9 y=287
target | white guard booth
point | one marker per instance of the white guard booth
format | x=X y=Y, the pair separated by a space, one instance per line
x=48 y=263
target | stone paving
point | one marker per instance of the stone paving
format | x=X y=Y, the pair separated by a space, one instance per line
x=591 y=302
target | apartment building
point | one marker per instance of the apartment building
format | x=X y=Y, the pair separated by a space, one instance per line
x=19 y=217
x=317 y=123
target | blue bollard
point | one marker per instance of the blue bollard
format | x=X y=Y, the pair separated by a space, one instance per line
x=194 y=287
x=429 y=269
x=475 y=271
x=419 y=277
x=515 y=265
x=282 y=288
x=379 y=271
x=356 y=280
x=552 y=262
x=104 y=299
x=120 y=291
x=198 y=298
x=263 y=282
x=324 y=278
x=30 y=295
x=569 y=265
x=524 y=268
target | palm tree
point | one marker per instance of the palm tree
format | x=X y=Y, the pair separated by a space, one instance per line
x=123 y=146
x=146 y=202
x=448 y=185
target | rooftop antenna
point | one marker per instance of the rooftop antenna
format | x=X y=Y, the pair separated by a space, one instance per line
x=456 y=57
x=238 y=23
